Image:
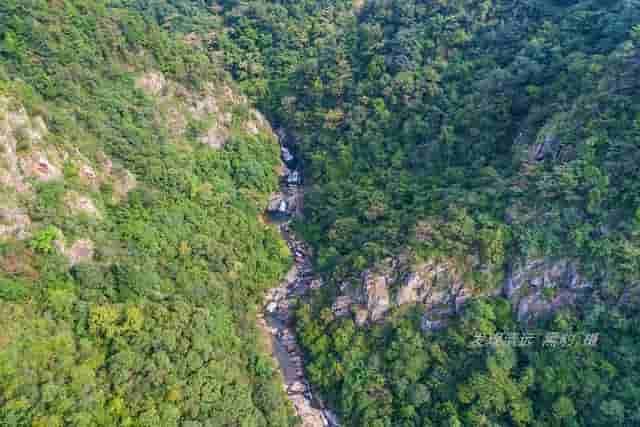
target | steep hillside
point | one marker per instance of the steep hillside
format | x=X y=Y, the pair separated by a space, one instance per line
x=469 y=171
x=470 y=194
x=132 y=254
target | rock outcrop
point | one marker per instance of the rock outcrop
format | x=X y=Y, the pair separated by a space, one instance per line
x=376 y=294
x=435 y=284
x=208 y=112
x=14 y=222
x=27 y=160
x=438 y=285
x=538 y=287
x=80 y=204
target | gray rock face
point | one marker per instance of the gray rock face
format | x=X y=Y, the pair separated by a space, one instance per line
x=548 y=148
x=376 y=294
x=428 y=325
x=81 y=251
x=413 y=290
x=293 y=178
x=536 y=287
x=432 y=283
x=14 y=222
x=540 y=286
x=151 y=83
x=283 y=205
x=342 y=306
x=435 y=284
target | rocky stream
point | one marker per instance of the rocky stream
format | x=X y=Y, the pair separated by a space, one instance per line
x=277 y=320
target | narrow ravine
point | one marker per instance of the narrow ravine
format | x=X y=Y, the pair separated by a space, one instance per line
x=277 y=319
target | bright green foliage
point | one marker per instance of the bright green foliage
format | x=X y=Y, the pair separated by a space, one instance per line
x=498 y=131
x=43 y=240
x=394 y=374
x=159 y=329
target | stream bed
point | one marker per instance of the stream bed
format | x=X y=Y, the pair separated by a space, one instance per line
x=277 y=319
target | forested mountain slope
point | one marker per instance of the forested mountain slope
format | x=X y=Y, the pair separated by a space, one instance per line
x=132 y=254
x=471 y=169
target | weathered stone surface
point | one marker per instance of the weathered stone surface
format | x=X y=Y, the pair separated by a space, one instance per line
x=88 y=175
x=151 y=83
x=538 y=287
x=78 y=203
x=342 y=306
x=376 y=294
x=14 y=222
x=214 y=138
x=211 y=104
x=412 y=290
x=432 y=282
x=39 y=166
x=278 y=204
x=10 y=174
x=310 y=416
x=81 y=251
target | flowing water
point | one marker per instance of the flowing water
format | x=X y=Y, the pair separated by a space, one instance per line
x=277 y=318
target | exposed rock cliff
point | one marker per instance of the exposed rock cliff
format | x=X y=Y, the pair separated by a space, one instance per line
x=535 y=287
x=207 y=115
x=89 y=180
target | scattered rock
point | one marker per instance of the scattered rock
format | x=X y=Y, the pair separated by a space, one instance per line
x=81 y=251
x=298 y=281
x=286 y=154
x=293 y=178
x=214 y=138
x=14 y=222
x=272 y=307
x=428 y=325
x=88 y=175
x=342 y=306
x=278 y=204
x=37 y=165
x=152 y=83
x=548 y=148
x=80 y=204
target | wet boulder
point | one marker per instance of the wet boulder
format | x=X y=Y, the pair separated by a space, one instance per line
x=293 y=178
x=287 y=157
x=278 y=205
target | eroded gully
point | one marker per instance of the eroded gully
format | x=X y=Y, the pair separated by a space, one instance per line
x=277 y=320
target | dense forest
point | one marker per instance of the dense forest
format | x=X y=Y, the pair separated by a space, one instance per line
x=152 y=323
x=488 y=133
x=507 y=130
x=503 y=130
